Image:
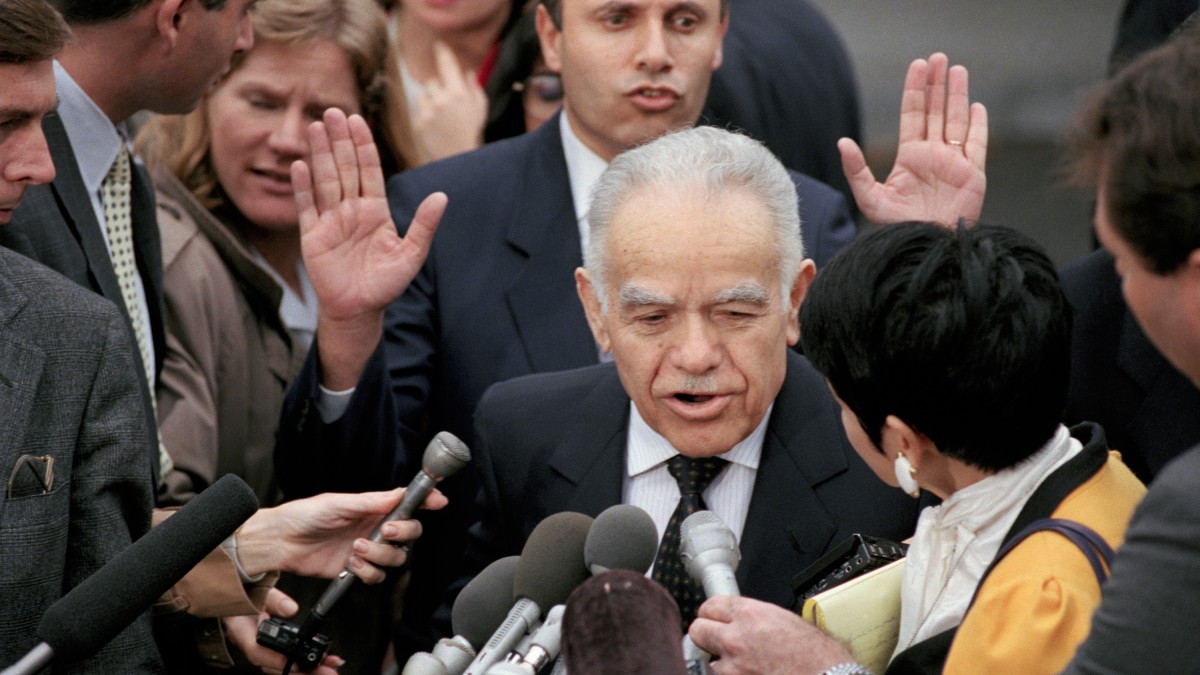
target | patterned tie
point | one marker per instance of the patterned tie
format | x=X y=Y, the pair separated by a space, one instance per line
x=693 y=476
x=115 y=195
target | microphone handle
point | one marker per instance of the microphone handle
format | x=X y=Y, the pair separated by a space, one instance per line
x=521 y=618
x=38 y=658
x=719 y=580
x=414 y=494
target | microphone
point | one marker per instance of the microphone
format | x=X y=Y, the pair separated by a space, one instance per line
x=621 y=622
x=622 y=538
x=443 y=457
x=710 y=553
x=551 y=566
x=90 y=615
x=545 y=644
x=478 y=611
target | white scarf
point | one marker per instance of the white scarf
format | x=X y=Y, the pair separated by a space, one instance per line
x=956 y=541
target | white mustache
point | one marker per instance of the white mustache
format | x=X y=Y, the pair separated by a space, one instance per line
x=698 y=384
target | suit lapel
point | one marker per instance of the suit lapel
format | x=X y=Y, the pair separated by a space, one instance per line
x=542 y=301
x=590 y=465
x=20 y=372
x=787 y=525
x=79 y=215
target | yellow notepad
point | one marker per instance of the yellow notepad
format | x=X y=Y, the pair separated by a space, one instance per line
x=863 y=614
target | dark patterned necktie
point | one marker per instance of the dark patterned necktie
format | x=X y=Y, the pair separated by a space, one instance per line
x=693 y=476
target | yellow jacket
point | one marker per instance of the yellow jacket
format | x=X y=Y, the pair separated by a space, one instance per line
x=1036 y=606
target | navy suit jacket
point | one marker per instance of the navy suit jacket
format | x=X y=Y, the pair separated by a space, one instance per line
x=556 y=442
x=1149 y=410
x=56 y=226
x=787 y=80
x=495 y=300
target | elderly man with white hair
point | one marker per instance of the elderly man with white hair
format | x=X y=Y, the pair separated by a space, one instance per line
x=693 y=279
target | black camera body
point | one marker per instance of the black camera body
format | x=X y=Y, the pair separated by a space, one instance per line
x=857 y=555
x=284 y=637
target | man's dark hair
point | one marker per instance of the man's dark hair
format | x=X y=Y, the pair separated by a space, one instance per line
x=555 y=9
x=1140 y=136
x=964 y=334
x=86 y=12
x=30 y=31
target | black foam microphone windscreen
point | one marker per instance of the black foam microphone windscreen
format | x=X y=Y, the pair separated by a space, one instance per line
x=483 y=603
x=95 y=611
x=552 y=563
x=622 y=538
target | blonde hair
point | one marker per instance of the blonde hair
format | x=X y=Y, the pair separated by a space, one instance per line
x=180 y=144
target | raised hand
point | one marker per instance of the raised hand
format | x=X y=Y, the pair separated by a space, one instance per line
x=939 y=171
x=451 y=112
x=357 y=261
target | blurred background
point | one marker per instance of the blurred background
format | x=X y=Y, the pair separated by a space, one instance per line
x=1030 y=63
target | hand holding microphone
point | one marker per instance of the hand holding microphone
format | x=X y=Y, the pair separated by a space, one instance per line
x=444 y=456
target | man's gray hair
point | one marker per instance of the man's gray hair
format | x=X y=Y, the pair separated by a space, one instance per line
x=706 y=157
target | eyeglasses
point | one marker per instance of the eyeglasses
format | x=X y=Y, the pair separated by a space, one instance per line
x=546 y=86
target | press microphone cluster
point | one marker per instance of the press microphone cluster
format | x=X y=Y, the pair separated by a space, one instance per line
x=90 y=615
x=508 y=619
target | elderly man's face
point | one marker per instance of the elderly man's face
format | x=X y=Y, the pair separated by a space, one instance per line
x=696 y=319
x=635 y=69
x=26 y=97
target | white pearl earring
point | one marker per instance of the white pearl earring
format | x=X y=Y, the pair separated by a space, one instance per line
x=904 y=476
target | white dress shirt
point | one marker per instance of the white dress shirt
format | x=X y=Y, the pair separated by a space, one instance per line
x=650 y=486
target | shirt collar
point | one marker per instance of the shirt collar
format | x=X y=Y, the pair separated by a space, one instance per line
x=648 y=448
x=95 y=140
x=583 y=168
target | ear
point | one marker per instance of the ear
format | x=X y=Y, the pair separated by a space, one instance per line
x=169 y=19
x=804 y=277
x=591 y=307
x=550 y=37
x=898 y=437
x=719 y=54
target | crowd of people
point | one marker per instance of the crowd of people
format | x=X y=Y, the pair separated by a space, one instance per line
x=630 y=253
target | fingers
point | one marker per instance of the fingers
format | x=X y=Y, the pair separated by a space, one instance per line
x=302 y=192
x=935 y=97
x=435 y=501
x=913 y=102
x=345 y=158
x=450 y=75
x=858 y=174
x=327 y=188
x=977 y=136
x=958 y=107
x=424 y=223
x=368 y=166
x=280 y=604
x=369 y=556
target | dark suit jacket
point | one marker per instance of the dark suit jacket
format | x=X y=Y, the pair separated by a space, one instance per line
x=67 y=390
x=495 y=300
x=1149 y=410
x=556 y=442
x=787 y=80
x=56 y=226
